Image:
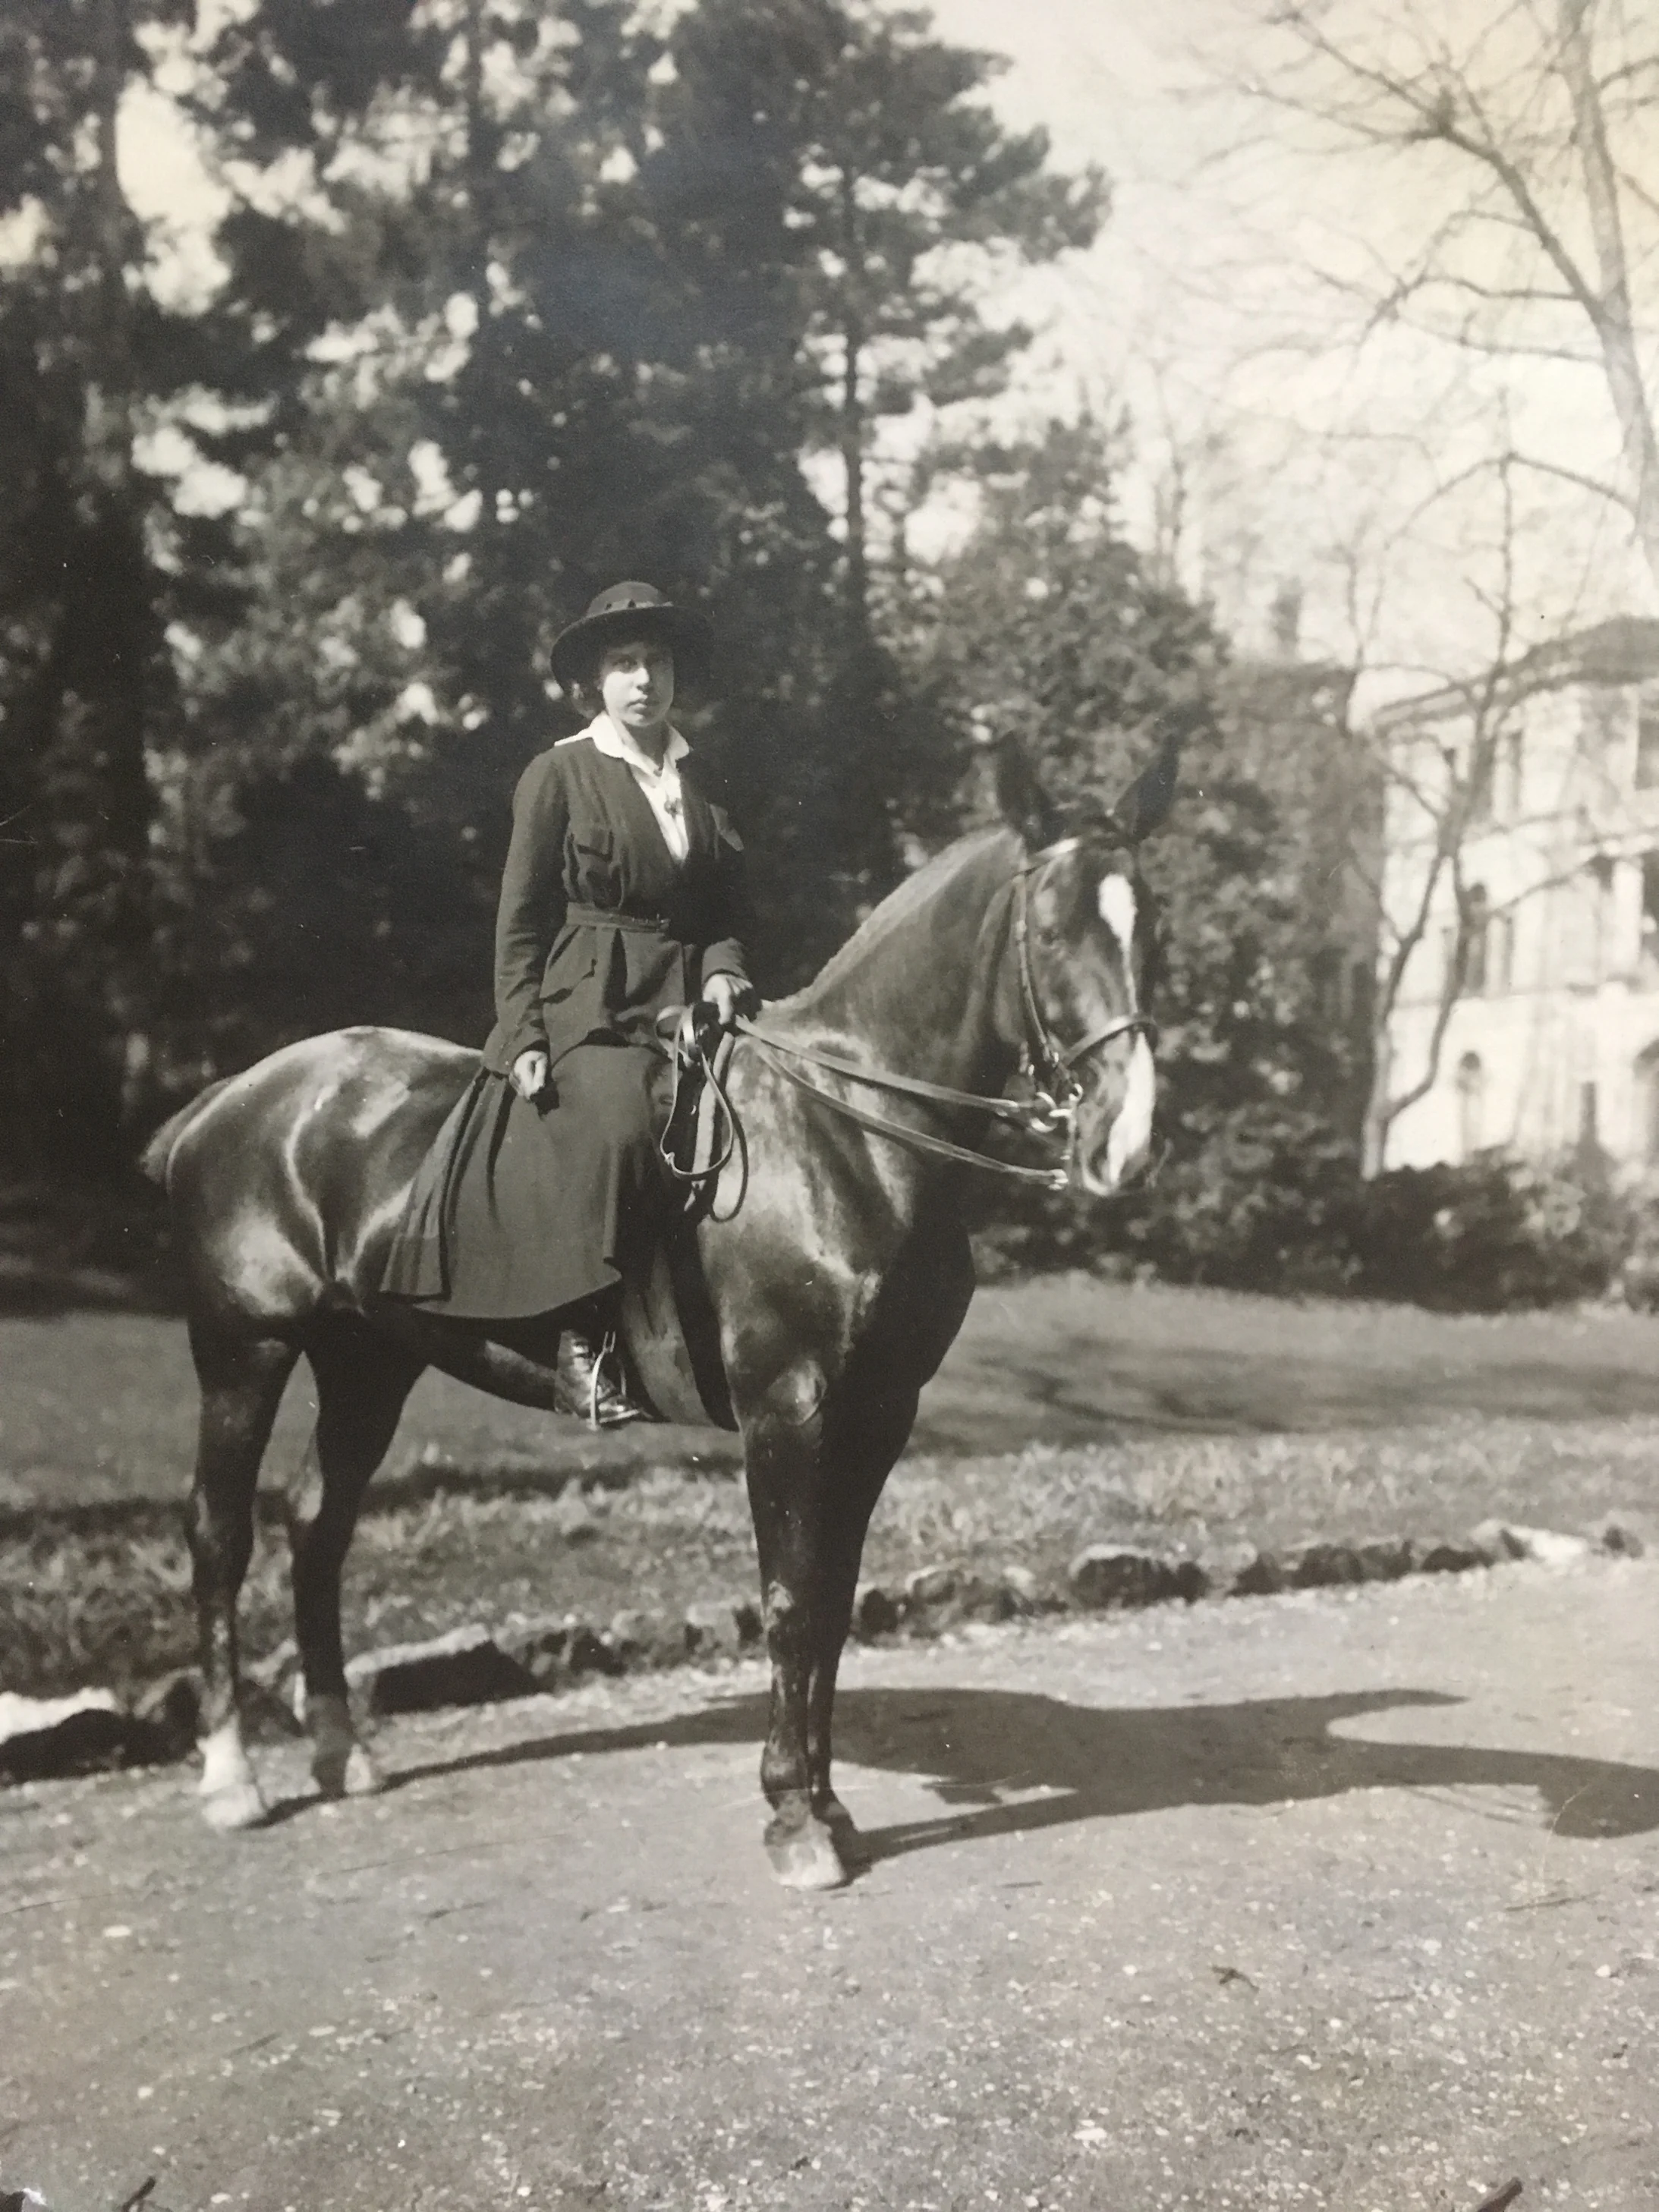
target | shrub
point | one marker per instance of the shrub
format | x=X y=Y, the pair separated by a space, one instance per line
x=1270 y=1198
x=1639 y=1270
x=1493 y=1233
x=1258 y=1197
x=1263 y=1203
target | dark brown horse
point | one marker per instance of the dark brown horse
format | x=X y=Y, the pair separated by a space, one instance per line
x=838 y=1284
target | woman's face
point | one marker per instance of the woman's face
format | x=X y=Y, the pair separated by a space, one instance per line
x=636 y=682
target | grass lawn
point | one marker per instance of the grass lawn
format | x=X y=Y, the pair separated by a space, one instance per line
x=1069 y=1412
x=96 y=1408
x=111 y=1603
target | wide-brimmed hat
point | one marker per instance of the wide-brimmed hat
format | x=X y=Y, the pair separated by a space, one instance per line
x=622 y=611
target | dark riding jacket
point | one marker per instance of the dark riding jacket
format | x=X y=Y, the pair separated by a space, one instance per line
x=599 y=927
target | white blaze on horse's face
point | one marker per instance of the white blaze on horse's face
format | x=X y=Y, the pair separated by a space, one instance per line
x=1114 y=1120
x=1116 y=900
x=1131 y=1138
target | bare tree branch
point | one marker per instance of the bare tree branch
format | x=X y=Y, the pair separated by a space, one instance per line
x=1614 y=325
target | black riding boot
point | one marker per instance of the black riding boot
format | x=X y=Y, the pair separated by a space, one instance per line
x=589 y=1373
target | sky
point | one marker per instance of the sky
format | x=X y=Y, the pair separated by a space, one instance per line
x=1304 y=460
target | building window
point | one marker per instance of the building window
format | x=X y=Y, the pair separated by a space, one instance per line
x=1512 y=764
x=1605 y=727
x=1476 y=931
x=1500 y=953
x=1480 y=779
x=1647 y=747
x=1471 y=1105
x=1603 y=951
x=1649 y=948
x=1590 y=1135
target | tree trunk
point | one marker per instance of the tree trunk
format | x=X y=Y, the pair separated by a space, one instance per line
x=1373 y=1141
x=852 y=426
x=479 y=169
x=852 y=454
x=109 y=392
x=1614 y=328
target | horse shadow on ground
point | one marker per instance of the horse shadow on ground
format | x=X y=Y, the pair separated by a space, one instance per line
x=986 y=1753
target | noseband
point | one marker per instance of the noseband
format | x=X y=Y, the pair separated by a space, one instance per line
x=1052 y=1065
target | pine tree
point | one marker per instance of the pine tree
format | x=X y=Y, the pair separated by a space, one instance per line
x=824 y=157
x=1051 y=627
x=92 y=565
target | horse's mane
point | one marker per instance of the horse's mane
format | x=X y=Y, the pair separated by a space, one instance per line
x=931 y=881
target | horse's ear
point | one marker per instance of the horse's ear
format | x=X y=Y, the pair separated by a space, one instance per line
x=1145 y=807
x=1026 y=806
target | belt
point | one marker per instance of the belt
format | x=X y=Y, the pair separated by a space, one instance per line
x=612 y=917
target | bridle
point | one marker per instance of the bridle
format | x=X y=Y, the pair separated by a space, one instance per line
x=1050 y=1063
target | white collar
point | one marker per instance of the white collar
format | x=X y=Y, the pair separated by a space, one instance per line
x=608 y=738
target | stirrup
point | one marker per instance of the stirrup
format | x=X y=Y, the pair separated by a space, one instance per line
x=607 y=1350
x=591 y=1394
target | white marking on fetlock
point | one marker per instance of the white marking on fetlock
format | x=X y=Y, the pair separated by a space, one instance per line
x=339 y=1764
x=224 y=1764
x=363 y=1778
x=229 y=1790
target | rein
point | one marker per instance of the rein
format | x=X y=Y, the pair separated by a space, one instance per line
x=1052 y=1065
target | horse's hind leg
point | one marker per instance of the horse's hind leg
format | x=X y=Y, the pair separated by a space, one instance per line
x=242 y=1381
x=361 y=1384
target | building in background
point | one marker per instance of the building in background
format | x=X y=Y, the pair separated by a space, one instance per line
x=1531 y=991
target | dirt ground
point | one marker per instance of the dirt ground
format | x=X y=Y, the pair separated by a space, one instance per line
x=1347 y=1900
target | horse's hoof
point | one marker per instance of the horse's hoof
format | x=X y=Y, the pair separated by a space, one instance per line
x=339 y=1764
x=804 y=1855
x=233 y=1805
x=346 y=1771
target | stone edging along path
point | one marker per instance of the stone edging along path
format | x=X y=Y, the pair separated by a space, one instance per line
x=477 y=1665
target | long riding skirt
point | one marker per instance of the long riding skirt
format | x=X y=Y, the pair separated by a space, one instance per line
x=522 y=1206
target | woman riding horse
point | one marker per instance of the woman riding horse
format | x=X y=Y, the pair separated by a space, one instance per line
x=838 y=1275
x=622 y=894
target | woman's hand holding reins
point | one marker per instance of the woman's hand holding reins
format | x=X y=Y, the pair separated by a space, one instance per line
x=730 y=996
x=530 y=1071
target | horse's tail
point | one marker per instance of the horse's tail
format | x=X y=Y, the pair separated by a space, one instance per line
x=156 y=1158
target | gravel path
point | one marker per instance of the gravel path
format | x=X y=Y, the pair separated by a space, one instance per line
x=1344 y=1899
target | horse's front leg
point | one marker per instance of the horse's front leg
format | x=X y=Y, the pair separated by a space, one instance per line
x=789 y=1497
x=865 y=1430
